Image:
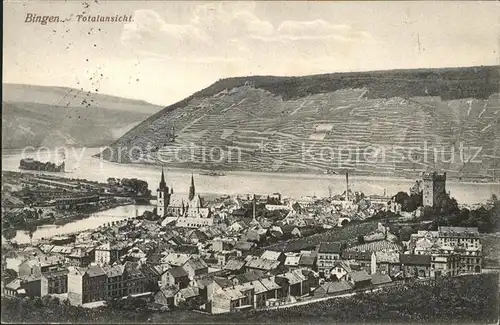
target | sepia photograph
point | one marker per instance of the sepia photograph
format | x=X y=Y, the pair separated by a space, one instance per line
x=250 y=162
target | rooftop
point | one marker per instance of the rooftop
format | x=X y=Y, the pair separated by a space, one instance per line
x=334 y=287
x=415 y=259
x=262 y=264
x=381 y=245
x=359 y=276
x=271 y=255
x=330 y=248
x=378 y=278
x=178 y=272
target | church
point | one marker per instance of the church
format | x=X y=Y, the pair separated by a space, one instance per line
x=186 y=211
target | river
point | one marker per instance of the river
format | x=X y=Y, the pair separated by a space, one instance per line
x=92 y=222
x=81 y=164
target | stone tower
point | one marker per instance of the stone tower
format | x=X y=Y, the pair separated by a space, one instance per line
x=434 y=185
x=163 y=196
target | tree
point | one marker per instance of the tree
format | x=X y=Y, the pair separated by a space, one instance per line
x=361 y=239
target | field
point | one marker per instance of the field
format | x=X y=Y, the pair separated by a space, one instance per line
x=466 y=299
x=396 y=124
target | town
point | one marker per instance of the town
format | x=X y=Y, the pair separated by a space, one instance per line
x=235 y=253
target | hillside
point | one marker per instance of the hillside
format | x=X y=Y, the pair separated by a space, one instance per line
x=384 y=122
x=55 y=116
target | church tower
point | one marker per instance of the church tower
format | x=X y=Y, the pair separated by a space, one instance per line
x=163 y=196
x=192 y=191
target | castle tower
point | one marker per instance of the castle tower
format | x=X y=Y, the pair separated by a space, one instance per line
x=192 y=191
x=163 y=196
x=434 y=185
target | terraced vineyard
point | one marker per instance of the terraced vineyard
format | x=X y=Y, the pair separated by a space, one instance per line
x=375 y=125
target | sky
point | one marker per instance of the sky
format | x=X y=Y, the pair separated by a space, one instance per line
x=172 y=49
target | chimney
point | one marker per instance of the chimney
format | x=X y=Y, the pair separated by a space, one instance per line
x=347 y=186
x=254 y=207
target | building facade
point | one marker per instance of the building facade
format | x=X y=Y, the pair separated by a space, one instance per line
x=328 y=255
x=54 y=282
x=86 y=285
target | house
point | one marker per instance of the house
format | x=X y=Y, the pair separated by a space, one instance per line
x=342 y=268
x=81 y=256
x=187 y=249
x=273 y=256
x=116 y=281
x=24 y=286
x=260 y=264
x=248 y=290
x=37 y=266
x=136 y=279
x=220 y=245
x=215 y=284
x=86 y=284
x=153 y=276
x=296 y=232
x=237 y=226
x=265 y=289
x=185 y=295
x=328 y=253
x=293 y=283
x=255 y=235
x=166 y=296
x=243 y=247
x=54 y=282
x=175 y=259
x=378 y=279
x=195 y=267
x=197 y=236
x=308 y=261
x=292 y=261
x=175 y=277
x=235 y=266
x=226 y=301
x=385 y=263
x=333 y=288
x=359 y=279
x=363 y=259
x=109 y=253
x=223 y=257
x=248 y=277
x=414 y=265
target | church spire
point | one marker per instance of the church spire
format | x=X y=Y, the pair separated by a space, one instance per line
x=192 y=191
x=163 y=184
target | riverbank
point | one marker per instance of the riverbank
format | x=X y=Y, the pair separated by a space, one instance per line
x=33 y=225
x=306 y=174
x=292 y=185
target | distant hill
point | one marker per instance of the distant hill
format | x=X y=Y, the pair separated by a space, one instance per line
x=53 y=116
x=293 y=124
